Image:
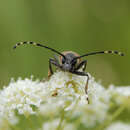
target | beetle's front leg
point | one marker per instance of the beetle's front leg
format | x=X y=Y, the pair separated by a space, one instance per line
x=54 y=62
x=83 y=63
x=86 y=86
x=50 y=71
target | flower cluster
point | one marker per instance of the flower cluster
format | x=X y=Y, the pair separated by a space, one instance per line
x=119 y=126
x=59 y=103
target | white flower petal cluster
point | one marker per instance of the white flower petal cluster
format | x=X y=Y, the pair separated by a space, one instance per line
x=20 y=96
x=119 y=126
x=61 y=95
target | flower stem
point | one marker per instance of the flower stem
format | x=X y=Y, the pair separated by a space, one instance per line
x=113 y=117
x=61 y=120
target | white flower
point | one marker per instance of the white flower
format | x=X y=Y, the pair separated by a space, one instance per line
x=20 y=95
x=118 y=126
x=51 y=125
x=119 y=94
x=62 y=95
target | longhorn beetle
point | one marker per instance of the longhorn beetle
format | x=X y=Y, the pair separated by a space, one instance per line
x=69 y=61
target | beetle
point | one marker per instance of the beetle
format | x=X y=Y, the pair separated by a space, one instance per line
x=69 y=61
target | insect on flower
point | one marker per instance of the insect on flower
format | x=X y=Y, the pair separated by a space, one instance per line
x=69 y=61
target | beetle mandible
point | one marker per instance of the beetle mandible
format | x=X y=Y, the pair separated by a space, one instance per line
x=69 y=61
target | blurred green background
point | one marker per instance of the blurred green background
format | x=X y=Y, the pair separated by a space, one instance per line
x=78 y=25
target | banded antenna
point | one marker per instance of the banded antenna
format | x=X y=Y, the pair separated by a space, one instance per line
x=37 y=44
x=100 y=52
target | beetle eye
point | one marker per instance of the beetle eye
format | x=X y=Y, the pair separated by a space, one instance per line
x=63 y=60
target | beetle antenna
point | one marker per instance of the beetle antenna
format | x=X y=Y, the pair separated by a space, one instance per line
x=100 y=52
x=37 y=44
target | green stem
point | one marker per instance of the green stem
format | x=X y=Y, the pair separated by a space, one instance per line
x=113 y=117
x=61 y=121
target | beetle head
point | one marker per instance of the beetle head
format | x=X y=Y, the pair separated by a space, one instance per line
x=68 y=63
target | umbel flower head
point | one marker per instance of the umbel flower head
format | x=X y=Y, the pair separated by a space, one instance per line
x=60 y=104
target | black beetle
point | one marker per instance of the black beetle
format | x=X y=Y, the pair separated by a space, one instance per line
x=69 y=61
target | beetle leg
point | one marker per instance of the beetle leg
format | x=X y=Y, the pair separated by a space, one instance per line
x=54 y=62
x=56 y=58
x=83 y=63
x=50 y=71
x=86 y=86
